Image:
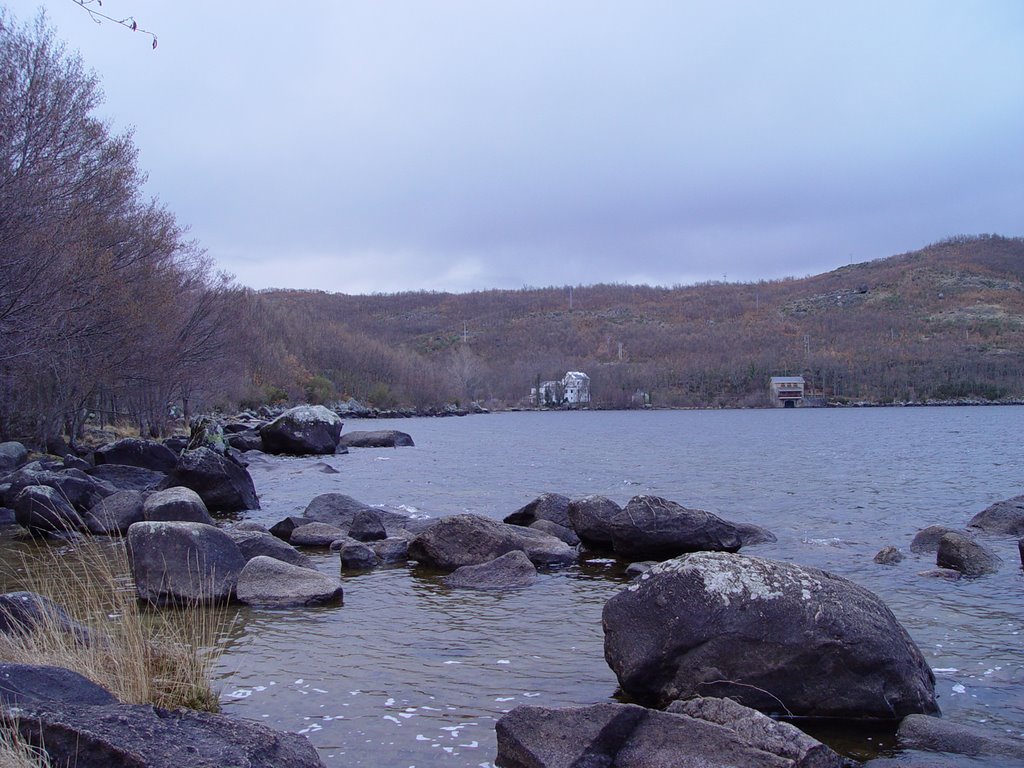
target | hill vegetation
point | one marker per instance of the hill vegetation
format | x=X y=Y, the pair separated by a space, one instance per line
x=943 y=322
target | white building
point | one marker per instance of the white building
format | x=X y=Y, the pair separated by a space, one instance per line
x=787 y=391
x=576 y=388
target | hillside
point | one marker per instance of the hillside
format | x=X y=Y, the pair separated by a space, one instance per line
x=944 y=322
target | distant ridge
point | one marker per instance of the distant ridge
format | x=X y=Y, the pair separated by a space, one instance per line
x=944 y=322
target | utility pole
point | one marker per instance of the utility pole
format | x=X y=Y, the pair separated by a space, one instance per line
x=570 y=298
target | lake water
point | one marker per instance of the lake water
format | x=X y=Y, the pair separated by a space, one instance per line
x=409 y=673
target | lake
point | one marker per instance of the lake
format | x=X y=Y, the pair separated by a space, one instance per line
x=410 y=673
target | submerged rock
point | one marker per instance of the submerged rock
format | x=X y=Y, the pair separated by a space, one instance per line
x=778 y=637
x=460 y=540
x=926 y=541
x=933 y=734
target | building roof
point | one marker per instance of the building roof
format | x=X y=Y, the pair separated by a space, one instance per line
x=787 y=379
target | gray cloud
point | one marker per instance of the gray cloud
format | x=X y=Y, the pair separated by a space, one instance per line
x=461 y=145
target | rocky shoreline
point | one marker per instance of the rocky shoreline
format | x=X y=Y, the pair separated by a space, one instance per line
x=713 y=646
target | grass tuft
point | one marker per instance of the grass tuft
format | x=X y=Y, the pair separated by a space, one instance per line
x=142 y=656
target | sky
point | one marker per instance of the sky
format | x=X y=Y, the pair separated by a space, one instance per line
x=375 y=147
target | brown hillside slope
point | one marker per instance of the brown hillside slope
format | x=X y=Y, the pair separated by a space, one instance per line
x=942 y=322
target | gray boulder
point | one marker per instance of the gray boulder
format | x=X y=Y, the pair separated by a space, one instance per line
x=653 y=528
x=176 y=504
x=223 y=484
x=774 y=636
x=174 y=562
x=115 y=514
x=926 y=541
x=125 y=477
x=382 y=438
x=355 y=555
x=135 y=452
x=1003 y=517
x=303 y=430
x=542 y=548
x=567 y=535
x=625 y=735
x=591 y=518
x=267 y=581
x=255 y=543
x=12 y=455
x=964 y=554
x=340 y=510
x=459 y=540
x=394 y=549
x=137 y=736
x=26 y=684
x=43 y=509
x=932 y=734
x=509 y=571
x=547 y=506
x=316 y=535
x=367 y=526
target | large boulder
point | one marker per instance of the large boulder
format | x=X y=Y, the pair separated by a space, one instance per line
x=653 y=528
x=627 y=735
x=775 y=636
x=1004 y=517
x=137 y=735
x=303 y=430
x=223 y=484
x=176 y=504
x=174 y=562
x=509 y=571
x=43 y=509
x=459 y=540
x=249 y=440
x=367 y=526
x=964 y=554
x=591 y=518
x=547 y=506
x=267 y=581
x=12 y=455
x=381 y=438
x=135 y=452
x=115 y=514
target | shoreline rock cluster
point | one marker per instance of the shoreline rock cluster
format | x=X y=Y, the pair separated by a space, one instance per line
x=712 y=646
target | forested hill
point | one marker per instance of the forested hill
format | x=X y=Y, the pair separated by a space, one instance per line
x=943 y=322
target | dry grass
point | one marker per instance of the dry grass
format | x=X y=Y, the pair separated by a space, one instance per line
x=15 y=752
x=141 y=656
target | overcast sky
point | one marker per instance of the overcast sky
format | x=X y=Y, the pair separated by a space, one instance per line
x=385 y=146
